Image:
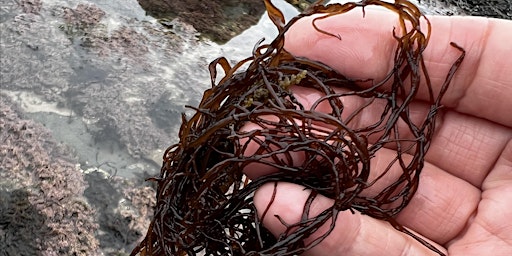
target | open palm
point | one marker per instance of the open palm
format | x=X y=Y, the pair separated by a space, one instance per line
x=463 y=204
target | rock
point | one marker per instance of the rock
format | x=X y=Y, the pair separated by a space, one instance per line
x=49 y=207
x=501 y=9
x=42 y=208
x=31 y=6
x=217 y=20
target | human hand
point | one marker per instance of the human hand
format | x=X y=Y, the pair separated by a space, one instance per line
x=463 y=203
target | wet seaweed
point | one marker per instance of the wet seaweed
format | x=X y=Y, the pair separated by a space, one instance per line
x=205 y=200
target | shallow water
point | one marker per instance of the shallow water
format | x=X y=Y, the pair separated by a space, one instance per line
x=112 y=88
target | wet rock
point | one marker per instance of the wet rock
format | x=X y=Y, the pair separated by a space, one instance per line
x=49 y=207
x=42 y=208
x=217 y=20
x=17 y=237
x=132 y=43
x=501 y=9
x=117 y=118
x=302 y=5
x=31 y=6
x=164 y=112
x=83 y=16
x=84 y=24
x=30 y=45
x=124 y=211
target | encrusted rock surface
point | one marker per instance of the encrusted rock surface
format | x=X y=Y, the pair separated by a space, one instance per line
x=111 y=92
x=49 y=206
x=42 y=208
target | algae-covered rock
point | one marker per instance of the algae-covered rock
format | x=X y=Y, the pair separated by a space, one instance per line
x=42 y=208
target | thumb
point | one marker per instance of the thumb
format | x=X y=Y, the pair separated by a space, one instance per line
x=353 y=234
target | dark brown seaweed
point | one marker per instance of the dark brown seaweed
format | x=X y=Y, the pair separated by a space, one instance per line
x=205 y=202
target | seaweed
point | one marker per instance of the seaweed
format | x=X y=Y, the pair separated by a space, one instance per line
x=204 y=198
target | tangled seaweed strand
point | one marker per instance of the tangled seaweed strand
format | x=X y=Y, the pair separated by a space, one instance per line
x=204 y=200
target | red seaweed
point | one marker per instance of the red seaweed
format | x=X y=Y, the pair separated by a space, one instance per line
x=205 y=201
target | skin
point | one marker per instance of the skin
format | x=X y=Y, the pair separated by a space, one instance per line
x=463 y=204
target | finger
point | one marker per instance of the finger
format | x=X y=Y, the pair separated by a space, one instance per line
x=357 y=113
x=472 y=144
x=482 y=87
x=353 y=234
x=442 y=200
x=268 y=152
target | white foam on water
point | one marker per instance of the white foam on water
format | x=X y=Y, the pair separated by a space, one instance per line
x=32 y=103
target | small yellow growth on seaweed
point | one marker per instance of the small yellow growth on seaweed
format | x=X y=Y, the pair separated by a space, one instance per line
x=293 y=79
x=285 y=83
x=248 y=102
x=260 y=93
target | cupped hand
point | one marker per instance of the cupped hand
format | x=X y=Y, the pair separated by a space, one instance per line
x=463 y=205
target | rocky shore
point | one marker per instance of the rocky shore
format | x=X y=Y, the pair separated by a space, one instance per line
x=92 y=94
